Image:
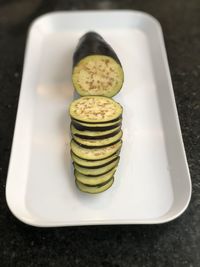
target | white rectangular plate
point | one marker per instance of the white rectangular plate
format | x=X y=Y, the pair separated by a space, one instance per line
x=152 y=183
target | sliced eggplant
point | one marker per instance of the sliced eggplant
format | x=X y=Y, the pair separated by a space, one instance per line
x=99 y=122
x=96 y=127
x=98 y=170
x=95 y=109
x=98 y=143
x=95 y=135
x=95 y=153
x=94 y=189
x=94 y=180
x=94 y=163
x=96 y=68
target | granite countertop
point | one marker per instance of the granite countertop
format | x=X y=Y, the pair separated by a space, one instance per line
x=172 y=244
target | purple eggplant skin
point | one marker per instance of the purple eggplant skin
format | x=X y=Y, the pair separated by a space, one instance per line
x=93 y=147
x=95 y=129
x=92 y=43
x=98 y=138
x=118 y=118
x=100 y=166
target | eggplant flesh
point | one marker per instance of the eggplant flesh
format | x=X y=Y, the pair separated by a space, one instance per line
x=97 y=69
x=98 y=143
x=96 y=119
x=94 y=189
x=99 y=122
x=96 y=171
x=94 y=135
x=95 y=109
x=95 y=153
x=94 y=163
x=94 y=180
x=96 y=127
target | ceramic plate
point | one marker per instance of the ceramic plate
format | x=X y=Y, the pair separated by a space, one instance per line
x=152 y=183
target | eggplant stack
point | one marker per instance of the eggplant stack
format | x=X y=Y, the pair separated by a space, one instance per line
x=96 y=141
x=95 y=117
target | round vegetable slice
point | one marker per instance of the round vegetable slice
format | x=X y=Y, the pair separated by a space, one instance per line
x=96 y=109
x=98 y=170
x=96 y=127
x=94 y=180
x=94 y=189
x=95 y=153
x=98 y=143
x=93 y=163
x=95 y=134
x=99 y=122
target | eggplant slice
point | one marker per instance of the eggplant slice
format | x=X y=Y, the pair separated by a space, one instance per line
x=95 y=109
x=99 y=122
x=94 y=135
x=94 y=180
x=94 y=189
x=96 y=127
x=95 y=153
x=98 y=170
x=98 y=143
x=96 y=68
x=94 y=163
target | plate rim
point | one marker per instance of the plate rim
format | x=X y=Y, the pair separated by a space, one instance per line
x=37 y=223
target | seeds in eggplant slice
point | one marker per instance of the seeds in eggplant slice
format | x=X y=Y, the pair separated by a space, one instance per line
x=95 y=153
x=96 y=68
x=98 y=143
x=94 y=189
x=98 y=75
x=97 y=109
x=94 y=180
x=94 y=163
x=98 y=170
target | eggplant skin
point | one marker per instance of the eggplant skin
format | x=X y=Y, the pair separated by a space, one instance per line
x=95 y=125
x=95 y=172
x=93 y=163
x=95 y=110
x=97 y=137
x=94 y=135
x=95 y=153
x=95 y=129
x=94 y=189
x=100 y=122
x=93 y=147
x=99 y=166
x=93 y=43
x=98 y=143
x=97 y=185
x=97 y=69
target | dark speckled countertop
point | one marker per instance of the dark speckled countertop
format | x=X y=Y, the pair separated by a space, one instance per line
x=173 y=244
